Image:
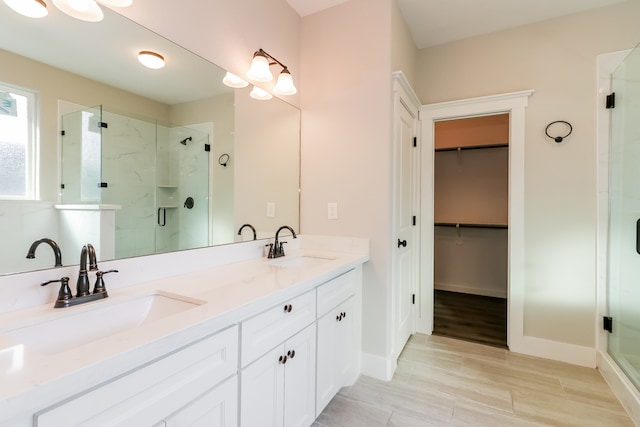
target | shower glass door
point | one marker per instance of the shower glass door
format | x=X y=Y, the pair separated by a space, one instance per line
x=624 y=219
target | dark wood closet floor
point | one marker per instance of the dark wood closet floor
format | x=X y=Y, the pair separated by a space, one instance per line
x=471 y=318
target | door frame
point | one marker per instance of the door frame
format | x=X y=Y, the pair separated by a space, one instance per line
x=514 y=104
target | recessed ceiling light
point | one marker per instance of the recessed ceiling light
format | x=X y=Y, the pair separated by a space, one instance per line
x=85 y=10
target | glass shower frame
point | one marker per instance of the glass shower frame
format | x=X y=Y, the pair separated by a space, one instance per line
x=623 y=288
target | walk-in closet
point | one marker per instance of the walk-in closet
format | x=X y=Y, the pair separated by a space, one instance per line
x=471 y=182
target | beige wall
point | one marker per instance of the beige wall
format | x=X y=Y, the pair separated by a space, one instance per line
x=403 y=51
x=346 y=129
x=557 y=59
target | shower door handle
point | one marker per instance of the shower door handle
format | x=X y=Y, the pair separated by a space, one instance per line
x=164 y=217
x=638 y=236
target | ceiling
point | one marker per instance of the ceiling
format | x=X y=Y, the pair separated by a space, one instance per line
x=435 y=22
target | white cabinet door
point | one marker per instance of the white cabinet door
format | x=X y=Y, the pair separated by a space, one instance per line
x=299 y=379
x=337 y=352
x=262 y=391
x=278 y=389
x=216 y=408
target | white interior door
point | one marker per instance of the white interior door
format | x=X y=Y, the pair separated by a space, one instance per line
x=405 y=242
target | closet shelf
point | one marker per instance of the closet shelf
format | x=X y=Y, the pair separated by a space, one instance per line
x=472 y=147
x=469 y=225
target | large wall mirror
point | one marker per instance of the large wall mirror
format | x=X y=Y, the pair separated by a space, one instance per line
x=133 y=160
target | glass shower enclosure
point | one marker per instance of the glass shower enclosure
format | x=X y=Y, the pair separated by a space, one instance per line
x=156 y=175
x=624 y=219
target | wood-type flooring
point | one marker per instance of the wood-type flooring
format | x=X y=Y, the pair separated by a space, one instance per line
x=469 y=317
x=444 y=382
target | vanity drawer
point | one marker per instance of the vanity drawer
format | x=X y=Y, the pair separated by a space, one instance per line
x=335 y=291
x=149 y=394
x=272 y=327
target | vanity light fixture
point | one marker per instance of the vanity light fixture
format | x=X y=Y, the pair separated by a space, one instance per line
x=29 y=8
x=85 y=10
x=151 y=60
x=260 y=94
x=260 y=72
x=234 y=81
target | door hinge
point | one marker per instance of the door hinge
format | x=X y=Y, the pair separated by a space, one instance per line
x=103 y=185
x=207 y=147
x=103 y=125
x=607 y=323
x=611 y=101
x=62 y=133
x=414 y=220
x=415 y=141
x=413 y=299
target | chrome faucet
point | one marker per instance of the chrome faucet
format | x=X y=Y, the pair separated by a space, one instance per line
x=276 y=249
x=251 y=227
x=54 y=246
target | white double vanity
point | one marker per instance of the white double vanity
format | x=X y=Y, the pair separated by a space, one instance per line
x=217 y=336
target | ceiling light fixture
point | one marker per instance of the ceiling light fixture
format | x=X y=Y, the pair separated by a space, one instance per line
x=260 y=72
x=260 y=94
x=234 y=81
x=151 y=59
x=85 y=10
x=29 y=8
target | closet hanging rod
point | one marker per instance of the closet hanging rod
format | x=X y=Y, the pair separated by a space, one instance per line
x=469 y=225
x=474 y=147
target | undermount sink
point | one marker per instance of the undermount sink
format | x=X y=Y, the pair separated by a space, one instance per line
x=64 y=330
x=301 y=261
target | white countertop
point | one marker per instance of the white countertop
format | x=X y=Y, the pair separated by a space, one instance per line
x=31 y=380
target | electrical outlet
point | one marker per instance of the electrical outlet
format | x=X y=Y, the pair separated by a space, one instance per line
x=332 y=210
x=271 y=209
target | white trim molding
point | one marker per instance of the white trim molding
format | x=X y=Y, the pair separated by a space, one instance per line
x=513 y=103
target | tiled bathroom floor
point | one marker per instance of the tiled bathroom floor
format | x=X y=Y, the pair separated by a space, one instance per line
x=445 y=382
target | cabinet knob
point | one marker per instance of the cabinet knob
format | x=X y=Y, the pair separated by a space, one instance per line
x=343 y=314
x=288 y=308
x=338 y=317
x=282 y=360
x=291 y=354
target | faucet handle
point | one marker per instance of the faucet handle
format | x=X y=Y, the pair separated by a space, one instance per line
x=99 y=286
x=281 y=248
x=65 y=292
x=271 y=250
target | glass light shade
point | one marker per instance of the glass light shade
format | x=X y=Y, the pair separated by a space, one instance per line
x=151 y=60
x=259 y=70
x=285 y=85
x=117 y=3
x=29 y=8
x=234 y=81
x=260 y=94
x=85 y=10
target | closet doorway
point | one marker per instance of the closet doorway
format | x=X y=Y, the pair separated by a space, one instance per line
x=471 y=215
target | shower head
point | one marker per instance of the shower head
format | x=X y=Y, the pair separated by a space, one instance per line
x=184 y=141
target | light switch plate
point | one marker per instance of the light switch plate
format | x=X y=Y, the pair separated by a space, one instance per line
x=271 y=209
x=332 y=210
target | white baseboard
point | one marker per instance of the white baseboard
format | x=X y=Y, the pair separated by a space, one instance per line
x=497 y=293
x=554 y=350
x=626 y=392
x=378 y=367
